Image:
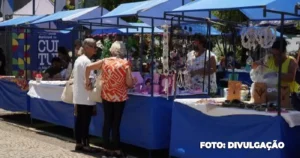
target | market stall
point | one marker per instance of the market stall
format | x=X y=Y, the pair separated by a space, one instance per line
x=264 y=120
x=195 y=121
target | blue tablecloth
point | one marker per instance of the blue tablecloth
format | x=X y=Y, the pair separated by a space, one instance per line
x=58 y=113
x=190 y=127
x=146 y=121
x=12 y=98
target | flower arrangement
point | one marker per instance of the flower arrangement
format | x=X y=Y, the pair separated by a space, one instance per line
x=38 y=77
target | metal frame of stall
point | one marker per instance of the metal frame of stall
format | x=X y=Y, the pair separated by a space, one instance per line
x=152 y=41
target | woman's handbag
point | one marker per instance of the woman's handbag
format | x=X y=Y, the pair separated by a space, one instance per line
x=67 y=95
x=95 y=94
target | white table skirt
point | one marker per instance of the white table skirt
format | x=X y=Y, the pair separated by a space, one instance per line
x=48 y=90
x=292 y=117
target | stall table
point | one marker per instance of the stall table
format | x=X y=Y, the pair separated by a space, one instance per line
x=193 y=123
x=13 y=95
x=146 y=120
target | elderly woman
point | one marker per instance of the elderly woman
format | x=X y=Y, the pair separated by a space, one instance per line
x=117 y=78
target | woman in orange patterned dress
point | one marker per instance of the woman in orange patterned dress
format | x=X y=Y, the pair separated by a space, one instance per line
x=117 y=78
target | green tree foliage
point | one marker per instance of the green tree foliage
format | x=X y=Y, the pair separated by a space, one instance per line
x=232 y=19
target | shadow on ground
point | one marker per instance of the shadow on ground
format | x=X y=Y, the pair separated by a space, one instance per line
x=66 y=134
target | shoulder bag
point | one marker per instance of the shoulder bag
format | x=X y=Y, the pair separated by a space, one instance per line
x=67 y=95
x=95 y=94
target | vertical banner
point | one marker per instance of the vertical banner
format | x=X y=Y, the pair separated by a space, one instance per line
x=46 y=46
x=34 y=51
x=7 y=7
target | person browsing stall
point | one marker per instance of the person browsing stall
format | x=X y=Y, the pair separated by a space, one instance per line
x=53 y=72
x=66 y=62
x=201 y=69
x=117 y=78
x=84 y=107
x=289 y=64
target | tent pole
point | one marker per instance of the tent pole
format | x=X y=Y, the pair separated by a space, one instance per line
x=280 y=64
x=152 y=56
x=33 y=7
x=141 y=50
x=209 y=53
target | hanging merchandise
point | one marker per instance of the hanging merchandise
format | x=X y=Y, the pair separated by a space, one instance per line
x=248 y=37
x=165 y=55
x=266 y=36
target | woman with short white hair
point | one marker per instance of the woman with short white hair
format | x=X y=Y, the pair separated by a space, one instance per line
x=117 y=78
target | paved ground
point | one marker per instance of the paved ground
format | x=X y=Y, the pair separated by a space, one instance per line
x=19 y=142
x=21 y=139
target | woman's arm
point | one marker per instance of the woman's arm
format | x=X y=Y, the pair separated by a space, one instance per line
x=129 y=79
x=93 y=66
x=290 y=76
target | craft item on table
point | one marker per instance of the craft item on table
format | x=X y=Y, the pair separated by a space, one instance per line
x=147 y=87
x=166 y=84
x=272 y=95
x=248 y=38
x=138 y=76
x=210 y=101
x=234 y=90
x=259 y=93
x=38 y=77
x=156 y=85
x=156 y=78
x=266 y=36
x=285 y=96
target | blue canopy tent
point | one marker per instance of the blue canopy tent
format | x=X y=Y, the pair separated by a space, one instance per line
x=210 y=5
x=235 y=128
x=21 y=20
x=202 y=29
x=256 y=14
x=146 y=27
x=74 y=16
x=152 y=11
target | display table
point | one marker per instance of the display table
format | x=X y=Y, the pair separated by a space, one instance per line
x=13 y=94
x=146 y=120
x=194 y=123
x=46 y=104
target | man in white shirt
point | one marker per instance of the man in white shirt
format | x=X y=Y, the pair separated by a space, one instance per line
x=84 y=108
